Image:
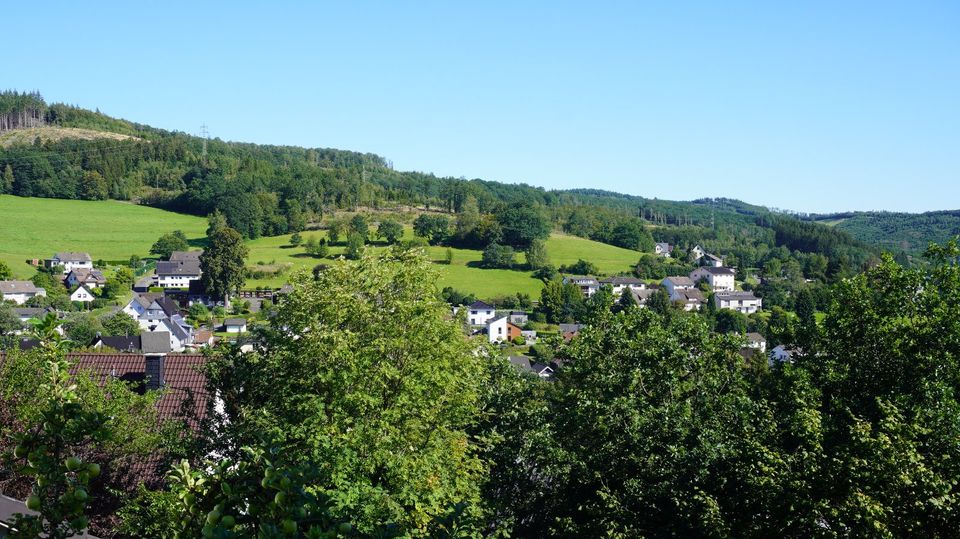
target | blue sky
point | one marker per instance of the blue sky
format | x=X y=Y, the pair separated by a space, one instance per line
x=811 y=106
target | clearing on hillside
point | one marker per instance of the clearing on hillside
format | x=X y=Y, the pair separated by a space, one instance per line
x=18 y=137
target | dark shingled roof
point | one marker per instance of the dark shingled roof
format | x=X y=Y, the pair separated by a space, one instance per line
x=178 y=256
x=120 y=343
x=718 y=271
x=182 y=267
x=481 y=306
x=155 y=342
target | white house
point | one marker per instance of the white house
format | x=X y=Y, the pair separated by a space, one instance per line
x=91 y=278
x=72 y=261
x=500 y=329
x=619 y=283
x=587 y=285
x=235 y=325
x=703 y=258
x=177 y=274
x=82 y=294
x=675 y=283
x=757 y=342
x=20 y=291
x=479 y=313
x=154 y=312
x=691 y=298
x=663 y=249
x=719 y=278
x=696 y=253
x=743 y=302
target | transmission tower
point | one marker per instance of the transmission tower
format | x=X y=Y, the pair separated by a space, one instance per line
x=205 y=135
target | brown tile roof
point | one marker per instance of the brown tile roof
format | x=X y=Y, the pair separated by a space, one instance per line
x=185 y=392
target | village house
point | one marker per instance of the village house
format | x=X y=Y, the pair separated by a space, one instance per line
x=701 y=257
x=620 y=283
x=526 y=364
x=478 y=313
x=719 y=278
x=20 y=291
x=691 y=298
x=782 y=354
x=641 y=297
x=756 y=341
x=82 y=294
x=663 y=249
x=71 y=261
x=91 y=278
x=26 y=313
x=743 y=302
x=502 y=330
x=177 y=274
x=154 y=312
x=588 y=285
x=235 y=325
x=676 y=283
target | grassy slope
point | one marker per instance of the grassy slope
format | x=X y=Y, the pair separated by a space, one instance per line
x=36 y=228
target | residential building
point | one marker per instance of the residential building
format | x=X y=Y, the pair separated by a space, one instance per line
x=587 y=285
x=703 y=258
x=91 y=278
x=20 y=291
x=527 y=364
x=26 y=313
x=620 y=283
x=719 y=278
x=782 y=354
x=82 y=294
x=177 y=274
x=235 y=325
x=154 y=312
x=502 y=330
x=156 y=342
x=743 y=302
x=569 y=331
x=663 y=249
x=71 y=261
x=756 y=341
x=479 y=313
x=691 y=298
x=640 y=297
x=676 y=283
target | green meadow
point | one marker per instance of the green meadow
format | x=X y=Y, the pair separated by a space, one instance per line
x=111 y=230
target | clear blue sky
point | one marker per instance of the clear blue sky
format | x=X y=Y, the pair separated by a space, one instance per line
x=811 y=106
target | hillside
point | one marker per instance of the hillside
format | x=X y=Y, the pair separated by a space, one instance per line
x=909 y=232
x=20 y=137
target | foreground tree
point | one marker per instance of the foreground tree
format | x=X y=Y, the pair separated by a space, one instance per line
x=363 y=375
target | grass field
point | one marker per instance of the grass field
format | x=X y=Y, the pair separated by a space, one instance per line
x=111 y=230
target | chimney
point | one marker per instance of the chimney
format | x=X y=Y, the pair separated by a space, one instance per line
x=155 y=368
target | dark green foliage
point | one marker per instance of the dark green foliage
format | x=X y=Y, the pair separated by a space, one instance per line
x=455 y=297
x=354 y=248
x=222 y=262
x=359 y=226
x=537 y=257
x=581 y=267
x=120 y=323
x=909 y=232
x=498 y=256
x=434 y=228
x=521 y=224
x=168 y=243
x=390 y=230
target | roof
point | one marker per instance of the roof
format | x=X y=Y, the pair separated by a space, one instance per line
x=680 y=280
x=691 y=295
x=72 y=257
x=641 y=296
x=713 y=270
x=182 y=267
x=714 y=257
x=235 y=322
x=755 y=337
x=570 y=328
x=480 y=306
x=663 y=245
x=185 y=385
x=178 y=256
x=527 y=364
x=581 y=279
x=87 y=275
x=18 y=287
x=155 y=342
x=622 y=280
x=120 y=343
x=31 y=312
x=736 y=295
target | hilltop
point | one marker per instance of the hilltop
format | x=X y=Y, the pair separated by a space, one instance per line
x=909 y=232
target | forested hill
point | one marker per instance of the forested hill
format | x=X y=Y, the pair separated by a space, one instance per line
x=909 y=232
x=270 y=190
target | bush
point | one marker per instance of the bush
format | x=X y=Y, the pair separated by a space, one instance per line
x=581 y=267
x=498 y=256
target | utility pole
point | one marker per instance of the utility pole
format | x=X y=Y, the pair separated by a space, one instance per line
x=205 y=135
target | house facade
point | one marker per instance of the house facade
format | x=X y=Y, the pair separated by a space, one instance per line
x=663 y=249
x=479 y=313
x=82 y=294
x=675 y=283
x=502 y=330
x=177 y=274
x=588 y=285
x=20 y=291
x=91 y=278
x=743 y=302
x=619 y=284
x=72 y=261
x=235 y=325
x=154 y=312
x=719 y=278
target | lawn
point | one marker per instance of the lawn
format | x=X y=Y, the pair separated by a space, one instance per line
x=111 y=230
x=108 y=230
